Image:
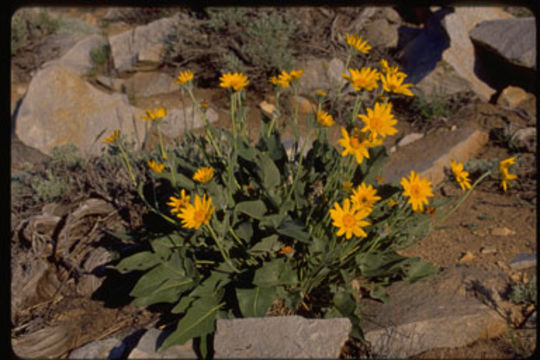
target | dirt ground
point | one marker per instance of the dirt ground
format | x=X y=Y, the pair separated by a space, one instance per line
x=468 y=230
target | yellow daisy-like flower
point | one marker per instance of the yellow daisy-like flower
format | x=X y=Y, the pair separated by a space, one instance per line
x=387 y=69
x=320 y=93
x=364 y=196
x=355 y=144
x=204 y=174
x=159 y=113
x=504 y=167
x=462 y=177
x=379 y=121
x=178 y=204
x=393 y=83
x=112 y=137
x=324 y=118
x=195 y=215
x=365 y=78
x=418 y=190
x=356 y=42
x=155 y=166
x=296 y=74
x=184 y=77
x=349 y=219
x=237 y=81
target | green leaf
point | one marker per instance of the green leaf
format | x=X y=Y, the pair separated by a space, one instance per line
x=269 y=244
x=420 y=269
x=375 y=164
x=378 y=293
x=245 y=231
x=139 y=261
x=184 y=182
x=270 y=174
x=183 y=304
x=198 y=321
x=381 y=264
x=294 y=229
x=255 y=209
x=344 y=302
x=275 y=272
x=167 y=292
x=255 y=302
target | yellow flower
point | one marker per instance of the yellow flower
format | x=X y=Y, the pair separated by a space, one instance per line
x=347 y=187
x=365 y=78
x=159 y=113
x=379 y=121
x=279 y=81
x=349 y=219
x=355 y=144
x=364 y=196
x=178 y=204
x=204 y=174
x=296 y=74
x=237 y=81
x=504 y=166
x=391 y=202
x=418 y=190
x=393 y=70
x=112 y=137
x=184 y=77
x=196 y=214
x=320 y=93
x=393 y=82
x=462 y=177
x=356 y=43
x=324 y=118
x=152 y=164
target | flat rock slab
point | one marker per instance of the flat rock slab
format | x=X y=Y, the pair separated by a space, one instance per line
x=429 y=155
x=285 y=337
x=512 y=39
x=434 y=313
x=147 y=348
x=103 y=349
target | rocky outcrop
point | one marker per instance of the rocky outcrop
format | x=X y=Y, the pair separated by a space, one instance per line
x=320 y=74
x=60 y=108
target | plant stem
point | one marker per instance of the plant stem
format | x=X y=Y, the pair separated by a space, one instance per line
x=205 y=120
x=221 y=249
x=341 y=82
x=164 y=155
x=126 y=160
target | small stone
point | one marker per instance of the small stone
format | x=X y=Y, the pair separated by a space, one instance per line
x=526 y=137
x=512 y=96
x=410 y=138
x=268 y=109
x=453 y=128
x=502 y=265
x=468 y=256
x=502 y=231
x=523 y=261
x=392 y=149
x=488 y=250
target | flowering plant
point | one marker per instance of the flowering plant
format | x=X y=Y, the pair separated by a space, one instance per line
x=252 y=222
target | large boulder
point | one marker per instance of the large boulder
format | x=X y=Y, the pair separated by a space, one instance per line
x=320 y=74
x=149 y=83
x=127 y=46
x=60 y=108
x=78 y=59
x=514 y=40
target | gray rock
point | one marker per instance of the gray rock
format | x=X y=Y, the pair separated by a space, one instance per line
x=523 y=261
x=460 y=55
x=433 y=313
x=443 y=80
x=126 y=46
x=380 y=33
x=512 y=39
x=527 y=137
x=444 y=146
x=78 y=59
x=152 y=55
x=391 y=15
x=61 y=108
x=320 y=74
x=290 y=337
x=103 y=349
x=148 y=344
x=149 y=84
x=409 y=139
x=179 y=120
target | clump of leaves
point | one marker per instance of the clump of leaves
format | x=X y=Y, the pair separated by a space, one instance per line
x=50 y=188
x=524 y=293
x=67 y=156
x=428 y=109
x=28 y=24
x=101 y=58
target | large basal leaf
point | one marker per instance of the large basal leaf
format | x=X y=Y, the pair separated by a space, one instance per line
x=255 y=209
x=153 y=279
x=269 y=244
x=198 y=321
x=344 y=302
x=183 y=181
x=377 y=160
x=275 y=272
x=167 y=292
x=381 y=264
x=255 y=302
x=420 y=269
x=140 y=261
x=294 y=229
x=270 y=174
x=245 y=231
